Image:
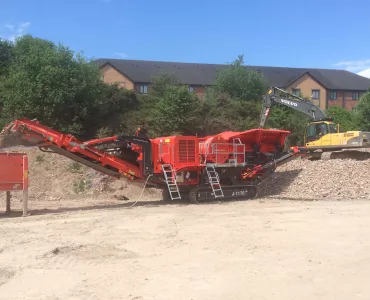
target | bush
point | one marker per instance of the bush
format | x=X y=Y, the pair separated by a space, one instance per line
x=362 y=114
x=240 y=82
x=346 y=119
x=74 y=167
x=80 y=186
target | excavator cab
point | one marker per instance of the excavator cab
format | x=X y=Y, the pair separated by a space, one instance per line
x=316 y=130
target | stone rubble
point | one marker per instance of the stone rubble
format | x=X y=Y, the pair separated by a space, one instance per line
x=334 y=179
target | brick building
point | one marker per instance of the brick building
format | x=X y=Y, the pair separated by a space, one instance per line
x=325 y=87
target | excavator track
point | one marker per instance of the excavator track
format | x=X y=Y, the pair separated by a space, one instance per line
x=354 y=154
x=346 y=154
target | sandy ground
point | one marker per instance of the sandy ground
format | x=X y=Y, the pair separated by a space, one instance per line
x=260 y=249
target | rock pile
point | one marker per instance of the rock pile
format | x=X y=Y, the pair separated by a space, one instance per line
x=335 y=179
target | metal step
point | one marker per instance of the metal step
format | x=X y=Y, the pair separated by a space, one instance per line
x=170 y=178
x=214 y=182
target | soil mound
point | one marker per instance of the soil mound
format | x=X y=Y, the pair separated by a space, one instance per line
x=54 y=177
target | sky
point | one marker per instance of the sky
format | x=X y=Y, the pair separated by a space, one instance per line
x=287 y=33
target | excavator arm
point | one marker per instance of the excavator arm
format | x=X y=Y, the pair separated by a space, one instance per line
x=297 y=103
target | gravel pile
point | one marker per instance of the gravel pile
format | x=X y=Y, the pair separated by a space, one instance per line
x=335 y=179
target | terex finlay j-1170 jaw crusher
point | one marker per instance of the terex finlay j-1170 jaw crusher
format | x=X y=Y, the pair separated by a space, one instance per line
x=226 y=165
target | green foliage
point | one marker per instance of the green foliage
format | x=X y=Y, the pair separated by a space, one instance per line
x=103 y=132
x=169 y=109
x=362 y=114
x=346 y=119
x=141 y=116
x=40 y=158
x=223 y=113
x=5 y=56
x=176 y=112
x=80 y=186
x=47 y=82
x=161 y=82
x=113 y=105
x=240 y=82
x=234 y=103
x=61 y=89
x=74 y=167
x=285 y=118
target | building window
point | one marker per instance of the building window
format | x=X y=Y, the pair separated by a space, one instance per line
x=315 y=94
x=143 y=89
x=333 y=95
x=191 y=89
x=296 y=92
x=355 y=96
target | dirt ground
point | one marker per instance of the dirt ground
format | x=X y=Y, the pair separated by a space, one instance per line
x=260 y=249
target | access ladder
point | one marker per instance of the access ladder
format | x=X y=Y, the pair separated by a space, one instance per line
x=170 y=178
x=214 y=182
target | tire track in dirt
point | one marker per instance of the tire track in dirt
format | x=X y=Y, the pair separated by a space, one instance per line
x=6 y=275
x=90 y=254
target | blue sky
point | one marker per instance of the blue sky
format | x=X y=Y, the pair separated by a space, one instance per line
x=320 y=34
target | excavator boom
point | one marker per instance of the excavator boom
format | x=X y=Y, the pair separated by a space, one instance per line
x=296 y=103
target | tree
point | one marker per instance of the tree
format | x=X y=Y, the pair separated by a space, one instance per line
x=5 y=56
x=48 y=82
x=161 y=82
x=140 y=116
x=114 y=105
x=282 y=117
x=346 y=119
x=234 y=102
x=176 y=112
x=168 y=109
x=362 y=114
x=240 y=82
x=224 y=113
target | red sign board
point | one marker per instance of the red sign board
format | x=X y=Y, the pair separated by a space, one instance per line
x=14 y=174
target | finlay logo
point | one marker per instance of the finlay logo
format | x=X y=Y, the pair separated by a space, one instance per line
x=289 y=102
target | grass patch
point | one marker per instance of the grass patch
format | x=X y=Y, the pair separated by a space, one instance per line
x=40 y=158
x=74 y=167
x=80 y=186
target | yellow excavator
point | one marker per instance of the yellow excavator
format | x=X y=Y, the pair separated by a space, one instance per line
x=322 y=135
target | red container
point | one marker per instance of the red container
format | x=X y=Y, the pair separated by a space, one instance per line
x=214 y=149
x=267 y=140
